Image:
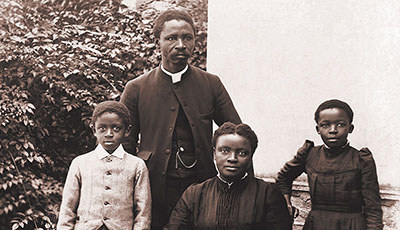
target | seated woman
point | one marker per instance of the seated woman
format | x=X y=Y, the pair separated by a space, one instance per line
x=233 y=199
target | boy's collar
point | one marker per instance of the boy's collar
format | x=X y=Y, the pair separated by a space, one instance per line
x=102 y=153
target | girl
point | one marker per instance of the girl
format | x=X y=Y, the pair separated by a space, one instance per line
x=343 y=183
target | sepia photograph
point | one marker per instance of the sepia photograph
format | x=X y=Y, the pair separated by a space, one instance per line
x=199 y=114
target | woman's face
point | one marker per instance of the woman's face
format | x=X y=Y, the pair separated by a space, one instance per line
x=232 y=156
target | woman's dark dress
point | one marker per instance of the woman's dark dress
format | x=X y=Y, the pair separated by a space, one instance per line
x=248 y=204
x=343 y=185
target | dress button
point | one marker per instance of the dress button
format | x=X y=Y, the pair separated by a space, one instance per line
x=109 y=159
x=167 y=151
x=107 y=188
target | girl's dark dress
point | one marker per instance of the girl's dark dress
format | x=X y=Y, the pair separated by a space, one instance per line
x=343 y=185
x=246 y=205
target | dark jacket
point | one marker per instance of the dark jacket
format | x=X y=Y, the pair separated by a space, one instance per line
x=250 y=204
x=153 y=102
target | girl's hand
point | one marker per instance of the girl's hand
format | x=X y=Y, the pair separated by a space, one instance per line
x=293 y=211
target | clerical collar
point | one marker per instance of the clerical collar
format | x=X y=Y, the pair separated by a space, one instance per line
x=176 y=77
x=230 y=183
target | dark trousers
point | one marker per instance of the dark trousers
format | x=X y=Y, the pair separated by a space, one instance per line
x=175 y=189
x=175 y=186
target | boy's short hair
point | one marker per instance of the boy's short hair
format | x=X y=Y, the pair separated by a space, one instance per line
x=334 y=103
x=112 y=107
x=169 y=15
x=239 y=129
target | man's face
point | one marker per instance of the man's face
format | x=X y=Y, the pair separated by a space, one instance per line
x=176 y=43
x=232 y=156
x=334 y=127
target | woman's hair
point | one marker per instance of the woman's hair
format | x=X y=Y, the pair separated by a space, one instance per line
x=112 y=107
x=169 y=15
x=240 y=129
x=334 y=103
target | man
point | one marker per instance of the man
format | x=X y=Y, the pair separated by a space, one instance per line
x=172 y=107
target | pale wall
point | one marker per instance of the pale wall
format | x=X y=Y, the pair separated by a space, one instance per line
x=280 y=59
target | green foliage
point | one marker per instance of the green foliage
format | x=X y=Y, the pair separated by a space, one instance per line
x=58 y=58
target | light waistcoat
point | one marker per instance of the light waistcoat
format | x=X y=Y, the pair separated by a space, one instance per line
x=100 y=188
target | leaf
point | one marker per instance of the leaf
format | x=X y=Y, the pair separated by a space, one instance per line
x=15 y=226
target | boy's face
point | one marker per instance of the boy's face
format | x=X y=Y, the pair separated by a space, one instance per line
x=110 y=130
x=334 y=127
x=232 y=156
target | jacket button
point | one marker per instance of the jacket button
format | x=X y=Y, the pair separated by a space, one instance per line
x=105 y=218
x=167 y=151
x=106 y=203
x=109 y=159
x=163 y=173
x=107 y=188
x=173 y=108
x=108 y=173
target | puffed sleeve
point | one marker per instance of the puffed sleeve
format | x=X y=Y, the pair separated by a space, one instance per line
x=370 y=191
x=129 y=98
x=277 y=216
x=293 y=168
x=182 y=216
x=70 y=199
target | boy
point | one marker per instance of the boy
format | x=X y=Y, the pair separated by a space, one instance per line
x=344 y=187
x=107 y=188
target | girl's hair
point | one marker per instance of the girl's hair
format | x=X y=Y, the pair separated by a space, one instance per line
x=334 y=103
x=239 y=129
x=112 y=107
x=169 y=15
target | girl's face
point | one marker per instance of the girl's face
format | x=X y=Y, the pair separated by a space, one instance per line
x=110 y=130
x=232 y=156
x=334 y=127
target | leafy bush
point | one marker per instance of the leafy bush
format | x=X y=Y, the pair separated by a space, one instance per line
x=58 y=58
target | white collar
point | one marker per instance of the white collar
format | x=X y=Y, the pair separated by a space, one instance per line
x=344 y=146
x=102 y=153
x=230 y=183
x=176 y=77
